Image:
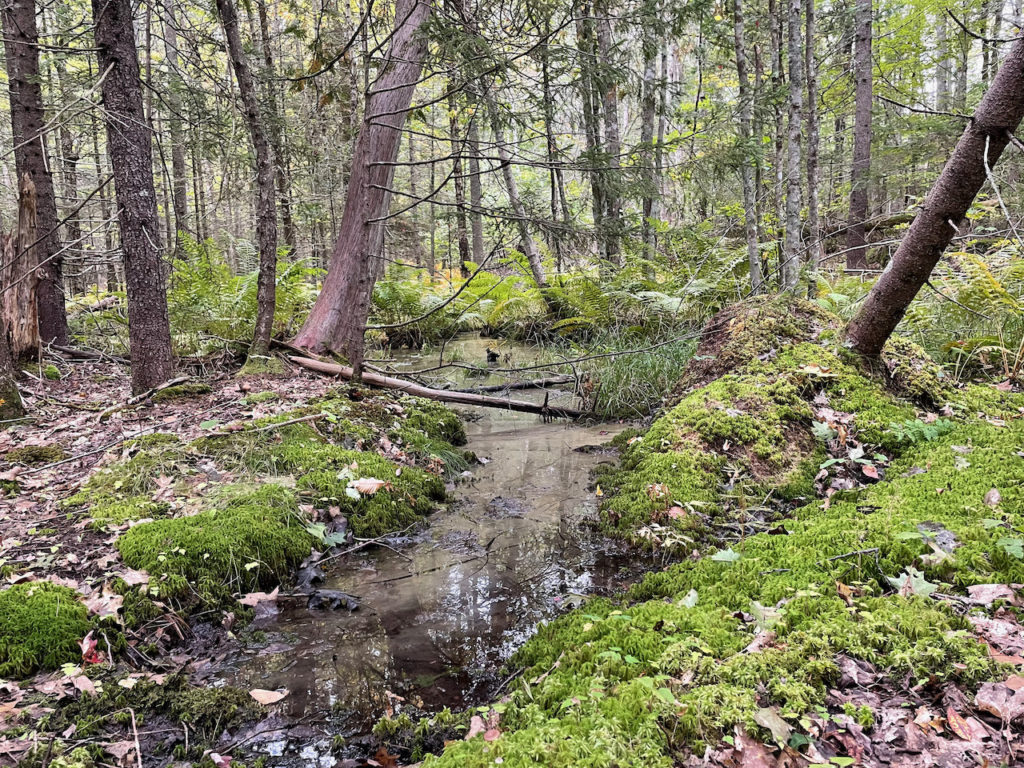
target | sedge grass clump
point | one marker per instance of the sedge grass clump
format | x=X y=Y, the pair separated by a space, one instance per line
x=41 y=625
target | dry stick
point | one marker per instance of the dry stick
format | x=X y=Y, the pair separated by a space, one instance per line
x=136 y=399
x=531 y=384
x=362 y=545
x=299 y=420
x=446 y=396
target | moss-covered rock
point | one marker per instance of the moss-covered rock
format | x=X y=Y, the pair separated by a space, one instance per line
x=35 y=454
x=41 y=625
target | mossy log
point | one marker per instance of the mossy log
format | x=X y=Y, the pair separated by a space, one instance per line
x=445 y=396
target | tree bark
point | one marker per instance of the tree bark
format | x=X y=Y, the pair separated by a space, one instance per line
x=980 y=146
x=515 y=201
x=591 y=127
x=10 y=399
x=338 y=319
x=476 y=219
x=749 y=160
x=816 y=250
x=19 y=278
x=129 y=145
x=275 y=123
x=461 y=230
x=791 y=259
x=648 y=114
x=856 y=242
x=266 y=215
x=612 y=141
x=21 y=47
x=179 y=172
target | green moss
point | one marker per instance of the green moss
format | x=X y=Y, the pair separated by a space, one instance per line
x=262 y=365
x=35 y=454
x=250 y=543
x=41 y=625
x=265 y=396
x=123 y=491
x=51 y=372
x=432 y=419
x=186 y=391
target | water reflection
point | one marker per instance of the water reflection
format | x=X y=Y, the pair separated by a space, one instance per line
x=441 y=612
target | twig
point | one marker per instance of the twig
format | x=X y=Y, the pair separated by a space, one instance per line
x=362 y=545
x=136 y=399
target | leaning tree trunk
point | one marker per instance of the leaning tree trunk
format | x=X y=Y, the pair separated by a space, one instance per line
x=791 y=252
x=983 y=141
x=748 y=160
x=129 y=145
x=856 y=239
x=21 y=46
x=338 y=319
x=266 y=215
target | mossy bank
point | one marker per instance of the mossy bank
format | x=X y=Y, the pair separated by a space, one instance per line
x=795 y=562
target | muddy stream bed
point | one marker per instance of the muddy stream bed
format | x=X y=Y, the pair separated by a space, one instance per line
x=442 y=609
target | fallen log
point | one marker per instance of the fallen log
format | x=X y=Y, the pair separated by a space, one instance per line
x=445 y=396
x=552 y=381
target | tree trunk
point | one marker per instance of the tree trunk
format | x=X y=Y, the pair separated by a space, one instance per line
x=941 y=63
x=129 y=145
x=980 y=146
x=816 y=251
x=266 y=215
x=460 y=191
x=21 y=46
x=591 y=128
x=612 y=141
x=10 y=399
x=651 y=35
x=790 y=268
x=275 y=124
x=476 y=219
x=179 y=173
x=856 y=241
x=338 y=319
x=749 y=160
x=518 y=210
x=19 y=278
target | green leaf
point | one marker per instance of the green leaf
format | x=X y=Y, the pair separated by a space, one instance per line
x=665 y=695
x=209 y=424
x=1011 y=546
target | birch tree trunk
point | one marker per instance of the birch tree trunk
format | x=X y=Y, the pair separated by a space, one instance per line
x=129 y=144
x=856 y=240
x=266 y=214
x=21 y=48
x=748 y=160
x=982 y=143
x=791 y=258
x=338 y=319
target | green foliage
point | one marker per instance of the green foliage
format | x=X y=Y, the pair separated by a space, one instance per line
x=185 y=391
x=41 y=625
x=916 y=430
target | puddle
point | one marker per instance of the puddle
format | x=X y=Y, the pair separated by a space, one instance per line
x=441 y=611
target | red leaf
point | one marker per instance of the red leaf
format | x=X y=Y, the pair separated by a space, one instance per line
x=958 y=725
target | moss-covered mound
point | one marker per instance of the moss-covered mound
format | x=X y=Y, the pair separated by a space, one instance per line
x=41 y=625
x=757 y=630
x=252 y=541
x=186 y=391
x=35 y=454
x=224 y=514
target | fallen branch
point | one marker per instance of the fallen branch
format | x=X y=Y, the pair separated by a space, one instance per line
x=136 y=399
x=551 y=381
x=445 y=396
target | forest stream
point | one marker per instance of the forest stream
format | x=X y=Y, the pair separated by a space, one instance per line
x=440 y=610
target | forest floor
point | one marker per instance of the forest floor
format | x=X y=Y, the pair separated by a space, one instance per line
x=849 y=586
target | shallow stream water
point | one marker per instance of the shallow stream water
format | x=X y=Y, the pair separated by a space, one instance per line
x=442 y=610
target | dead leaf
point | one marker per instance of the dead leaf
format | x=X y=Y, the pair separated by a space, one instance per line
x=986 y=594
x=870 y=471
x=676 y=512
x=124 y=751
x=367 y=486
x=476 y=727
x=220 y=761
x=1000 y=700
x=492 y=734
x=84 y=684
x=268 y=697
x=264 y=604
x=89 y=653
x=769 y=717
x=751 y=753
x=958 y=725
